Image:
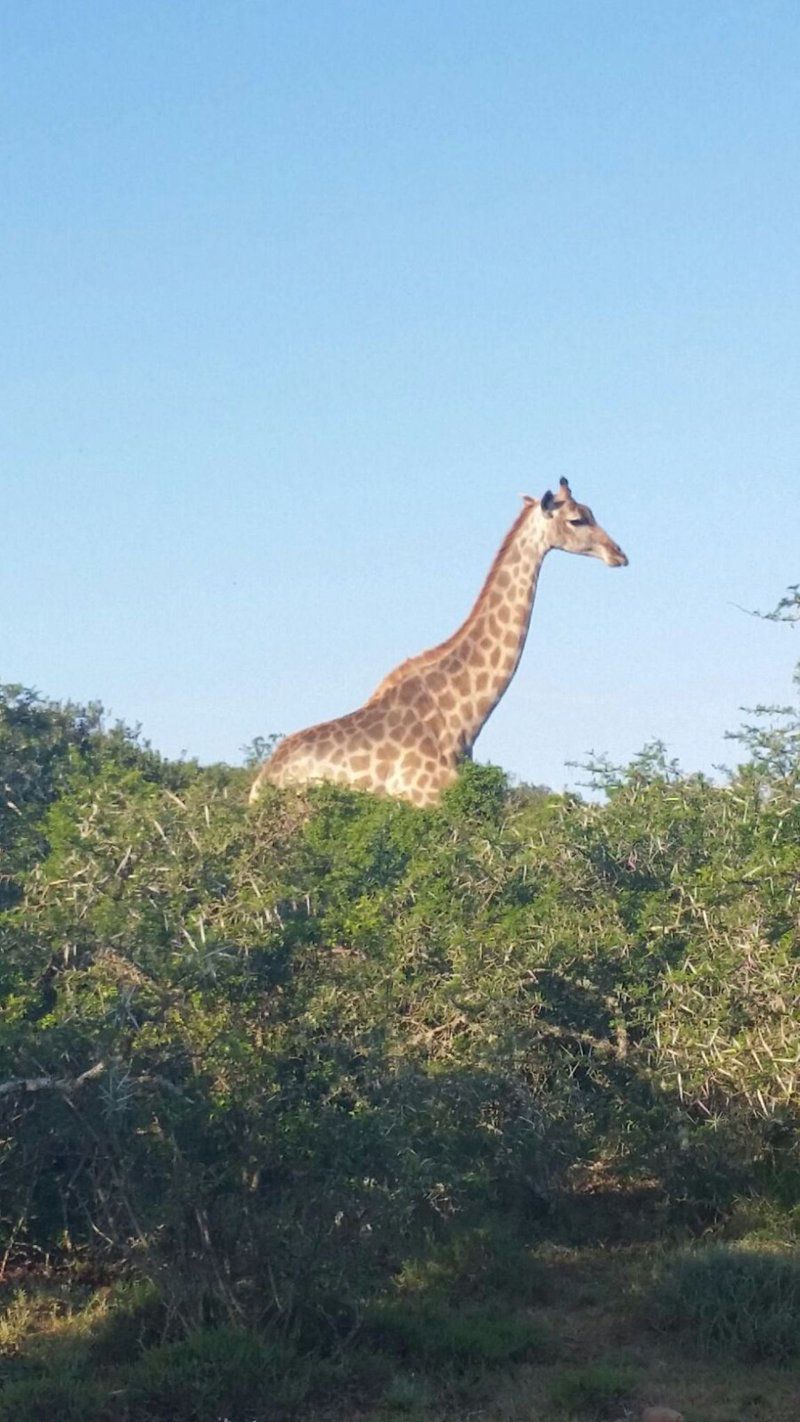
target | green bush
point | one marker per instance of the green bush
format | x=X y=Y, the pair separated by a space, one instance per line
x=213 y=1373
x=42 y=744
x=435 y=1333
x=593 y=1392
x=327 y=1030
x=479 y=1263
x=732 y=1300
x=70 y=1399
x=408 y=1393
x=134 y=1319
x=280 y=1062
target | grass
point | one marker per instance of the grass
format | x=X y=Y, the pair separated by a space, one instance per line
x=479 y=1264
x=211 y=1373
x=69 y=1398
x=596 y=1391
x=732 y=1301
x=431 y=1333
x=582 y=1341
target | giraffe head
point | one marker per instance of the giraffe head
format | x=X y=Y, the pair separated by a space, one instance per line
x=573 y=527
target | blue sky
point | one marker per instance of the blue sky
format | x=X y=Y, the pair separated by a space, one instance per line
x=298 y=298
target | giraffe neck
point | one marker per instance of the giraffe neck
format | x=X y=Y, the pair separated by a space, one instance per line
x=466 y=676
x=486 y=650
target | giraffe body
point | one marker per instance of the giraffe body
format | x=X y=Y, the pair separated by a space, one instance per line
x=396 y=746
x=422 y=721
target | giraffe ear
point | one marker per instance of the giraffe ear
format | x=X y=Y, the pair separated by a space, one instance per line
x=547 y=503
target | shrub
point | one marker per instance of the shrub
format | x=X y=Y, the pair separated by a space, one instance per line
x=408 y=1393
x=70 y=1399
x=732 y=1300
x=135 y=1318
x=477 y=1264
x=213 y=1373
x=592 y=1392
x=432 y=1332
x=264 y=1058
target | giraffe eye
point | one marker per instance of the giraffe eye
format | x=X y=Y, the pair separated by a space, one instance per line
x=576 y=522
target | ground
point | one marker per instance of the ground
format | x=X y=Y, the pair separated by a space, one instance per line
x=599 y=1356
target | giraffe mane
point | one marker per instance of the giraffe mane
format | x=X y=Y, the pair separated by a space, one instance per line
x=425 y=659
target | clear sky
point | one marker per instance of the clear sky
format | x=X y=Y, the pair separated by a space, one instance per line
x=298 y=297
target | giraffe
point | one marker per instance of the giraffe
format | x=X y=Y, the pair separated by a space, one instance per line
x=422 y=720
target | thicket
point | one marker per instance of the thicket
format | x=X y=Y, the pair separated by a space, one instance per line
x=304 y=1069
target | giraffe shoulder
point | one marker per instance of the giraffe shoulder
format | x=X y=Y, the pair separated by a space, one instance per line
x=390 y=680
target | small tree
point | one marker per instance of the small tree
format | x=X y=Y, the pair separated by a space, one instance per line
x=773 y=738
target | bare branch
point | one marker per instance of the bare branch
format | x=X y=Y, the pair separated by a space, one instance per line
x=52 y=1083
